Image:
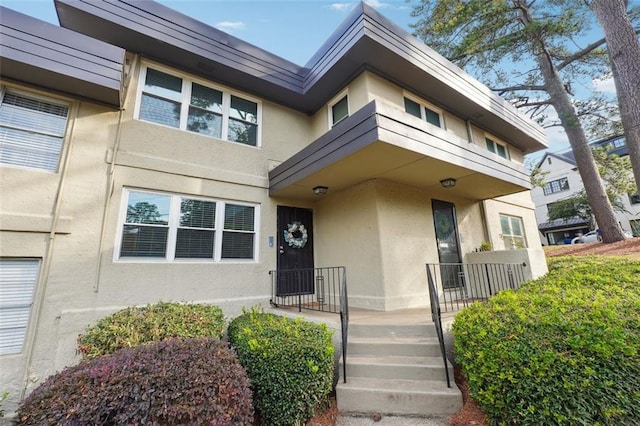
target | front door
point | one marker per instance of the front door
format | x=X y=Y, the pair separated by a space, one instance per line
x=444 y=221
x=295 y=251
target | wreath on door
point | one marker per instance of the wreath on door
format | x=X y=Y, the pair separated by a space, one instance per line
x=296 y=235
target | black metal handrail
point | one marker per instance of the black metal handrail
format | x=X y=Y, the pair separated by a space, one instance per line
x=315 y=289
x=460 y=284
x=463 y=283
x=437 y=321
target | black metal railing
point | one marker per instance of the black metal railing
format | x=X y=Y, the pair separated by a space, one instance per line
x=460 y=284
x=452 y=286
x=314 y=289
x=437 y=321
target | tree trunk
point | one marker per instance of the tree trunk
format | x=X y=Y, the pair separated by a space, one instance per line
x=594 y=188
x=624 y=53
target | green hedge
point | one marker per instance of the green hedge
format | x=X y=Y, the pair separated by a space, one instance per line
x=289 y=362
x=562 y=350
x=134 y=326
x=195 y=381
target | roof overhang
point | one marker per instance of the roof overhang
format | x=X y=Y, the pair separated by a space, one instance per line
x=381 y=142
x=47 y=56
x=365 y=40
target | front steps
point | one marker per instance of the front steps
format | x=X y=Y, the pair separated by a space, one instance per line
x=396 y=369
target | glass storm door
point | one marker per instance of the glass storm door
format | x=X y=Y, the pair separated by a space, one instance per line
x=444 y=221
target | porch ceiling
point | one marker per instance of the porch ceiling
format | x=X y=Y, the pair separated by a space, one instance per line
x=379 y=142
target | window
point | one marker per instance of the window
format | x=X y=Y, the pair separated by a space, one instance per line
x=497 y=148
x=512 y=232
x=422 y=111
x=17 y=283
x=634 y=198
x=554 y=186
x=31 y=131
x=174 y=227
x=338 y=110
x=178 y=102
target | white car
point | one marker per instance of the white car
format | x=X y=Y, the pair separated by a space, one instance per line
x=589 y=237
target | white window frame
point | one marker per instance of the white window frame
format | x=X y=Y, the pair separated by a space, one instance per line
x=332 y=103
x=173 y=226
x=18 y=295
x=185 y=101
x=511 y=235
x=426 y=105
x=488 y=137
x=30 y=130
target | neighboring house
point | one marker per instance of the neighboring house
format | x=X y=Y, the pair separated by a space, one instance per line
x=563 y=181
x=147 y=156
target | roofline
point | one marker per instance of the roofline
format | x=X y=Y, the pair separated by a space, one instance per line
x=365 y=40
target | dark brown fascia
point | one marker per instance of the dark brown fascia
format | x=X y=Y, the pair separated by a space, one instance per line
x=366 y=40
x=369 y=125
x=46 y=56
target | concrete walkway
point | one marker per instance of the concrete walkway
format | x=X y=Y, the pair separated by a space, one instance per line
x=390 y=421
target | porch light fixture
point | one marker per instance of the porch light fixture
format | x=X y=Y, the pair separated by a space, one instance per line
x=448 y=183
x=320 y=190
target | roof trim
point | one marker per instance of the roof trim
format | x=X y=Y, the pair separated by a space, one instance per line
x=44 y=55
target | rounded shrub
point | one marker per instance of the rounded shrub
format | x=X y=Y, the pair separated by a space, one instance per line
x=138 y=325
x=174 y=382
x=289 y=362
x=562 y=350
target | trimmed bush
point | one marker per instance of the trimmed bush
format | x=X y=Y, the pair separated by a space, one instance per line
x=173 y=382
x=134 y=326
x=289 y=362
x=562 y=350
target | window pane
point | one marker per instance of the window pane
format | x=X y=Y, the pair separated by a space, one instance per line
x=244 y=110
x=31 y=132
x=504 y=223
x=17 y=283
x=239 y=218
x=160 y=111
x=433 y=117
x=207 y=123
x=33 y=114
x=237 y=245
x=242 y=132
x=197 y=214
x=28 y=149
x=163 y=85
x=516 y=229
x=502 y=151
x=491 y=146
x=194 y=243
x=340 y=110
x=206 y=98
x=148 y=208
x=144 y=241
x=412 y=107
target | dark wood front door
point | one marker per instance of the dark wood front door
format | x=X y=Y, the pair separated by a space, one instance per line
x=295 y=251
x=446 y=227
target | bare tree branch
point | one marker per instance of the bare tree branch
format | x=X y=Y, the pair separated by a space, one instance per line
x=518 y=87
x=584 y=52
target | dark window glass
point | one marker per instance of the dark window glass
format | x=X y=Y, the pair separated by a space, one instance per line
x=432 y=117
x=412 y=107
x=340 y=110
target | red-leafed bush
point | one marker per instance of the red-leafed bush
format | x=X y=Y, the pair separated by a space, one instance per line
x=174 y=382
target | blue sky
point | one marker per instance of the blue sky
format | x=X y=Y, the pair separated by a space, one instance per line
x=293 y=29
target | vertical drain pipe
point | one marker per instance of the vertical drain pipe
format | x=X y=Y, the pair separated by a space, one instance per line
x=43 y=276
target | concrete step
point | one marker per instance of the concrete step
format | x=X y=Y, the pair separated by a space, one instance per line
x=426 y=329
x=398 y=397
x=396 y=367
x=390 y=346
